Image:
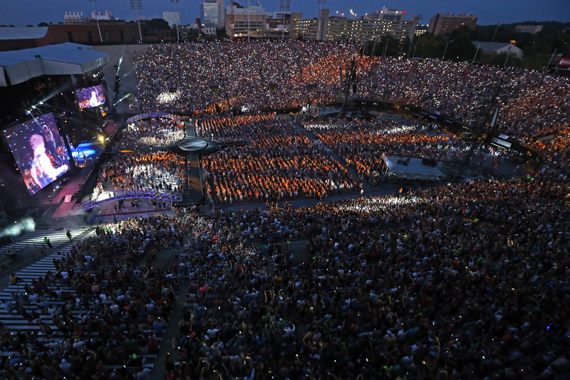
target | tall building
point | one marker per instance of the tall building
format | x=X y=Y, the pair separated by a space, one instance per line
x=386 y=14
x=210 y=13
x=285 y=5
x=172 y=18
x=221 y=13
x=442 y=24
x=330 y=28
x=241 y=21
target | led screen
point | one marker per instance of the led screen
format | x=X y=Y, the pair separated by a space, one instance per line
x=39 y=151
x=90 y=97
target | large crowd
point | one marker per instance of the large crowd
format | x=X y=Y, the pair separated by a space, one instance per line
x=135 y=169
x=463 y=281
x=102 y=313
x=279 y=163
x=280 y=75
x=262 y=74
x=364 y=143
x=152 y=132
x=452 y=282
x=159 y=171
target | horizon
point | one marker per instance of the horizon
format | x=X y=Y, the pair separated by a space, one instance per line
x=488 y=12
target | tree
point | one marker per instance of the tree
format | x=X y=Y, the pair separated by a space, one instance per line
x=43 y=24
x=388 y=46
x=221 y=34
x=158 y=24
x=406 y=45
x=461 y=48
x=192 y=35
x=429 y=46
x=29 y=26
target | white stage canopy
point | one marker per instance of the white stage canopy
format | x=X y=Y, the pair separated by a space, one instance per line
x=18 y=66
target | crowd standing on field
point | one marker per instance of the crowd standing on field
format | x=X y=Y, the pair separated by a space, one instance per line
x=464 y=281
x=214 y=77
x=279 y=163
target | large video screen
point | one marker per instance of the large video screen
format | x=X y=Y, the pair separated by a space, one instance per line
x=39 y=151
x=90 y=97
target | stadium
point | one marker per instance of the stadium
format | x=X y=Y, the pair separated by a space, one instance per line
x=281 y=210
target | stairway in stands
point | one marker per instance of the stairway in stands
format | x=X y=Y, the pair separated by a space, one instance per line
x=35 y=238
x=15 y=322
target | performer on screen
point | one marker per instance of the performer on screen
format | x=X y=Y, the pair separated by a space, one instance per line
x=51 y=146
x=94 y=102
x=42 y=170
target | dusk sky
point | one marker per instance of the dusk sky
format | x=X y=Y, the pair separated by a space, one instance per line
x=24 y=12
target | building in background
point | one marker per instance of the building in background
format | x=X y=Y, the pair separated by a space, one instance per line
x=498 y=48
x=326 y=27
x=89 y=33
x=221 y=13
x=284 y=5
x=386 y=14
x=532 y=29
x=420 y=28
x=172 y=18
x=445 y=23
x=197 y=29
x=241 y=21
x=210 y=13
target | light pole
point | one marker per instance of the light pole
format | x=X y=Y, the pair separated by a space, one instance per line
x=476 y=51
x=177 y=18
x=96 y=19
x=550 y=60
x=283 y=36
x=445 y=50
x=496 y=30
x=137 y=5
x=506 y=59
x=248 y=19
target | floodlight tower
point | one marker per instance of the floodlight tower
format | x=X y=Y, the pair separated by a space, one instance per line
x=175 y=2
x=321 y=2
x=137 y=5
x=248 y=17
x=96 y=19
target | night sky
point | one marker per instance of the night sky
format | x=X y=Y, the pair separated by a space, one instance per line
x=24 y=12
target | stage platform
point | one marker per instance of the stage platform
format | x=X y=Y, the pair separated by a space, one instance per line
x=410 y=169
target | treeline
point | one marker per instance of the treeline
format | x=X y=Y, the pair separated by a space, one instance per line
x=458 y=46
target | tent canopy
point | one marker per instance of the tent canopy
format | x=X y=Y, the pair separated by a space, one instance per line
x=19 y=66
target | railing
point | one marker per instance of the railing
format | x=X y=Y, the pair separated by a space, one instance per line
x=148 y=115
x=170 y=196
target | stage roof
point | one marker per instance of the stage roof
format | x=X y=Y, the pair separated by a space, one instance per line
x=27 y=33
x=18 y=66
x=414 y=169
